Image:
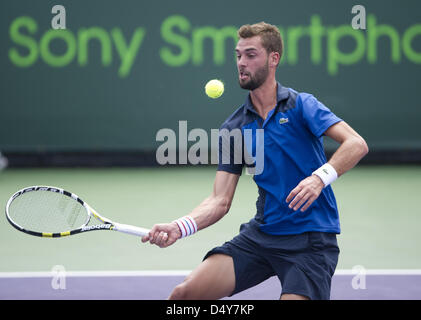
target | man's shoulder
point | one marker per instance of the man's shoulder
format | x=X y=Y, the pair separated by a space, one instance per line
x=296 y=95
x=297 y=99
x=237 y=119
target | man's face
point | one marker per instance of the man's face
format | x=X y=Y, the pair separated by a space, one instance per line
x=252 y=63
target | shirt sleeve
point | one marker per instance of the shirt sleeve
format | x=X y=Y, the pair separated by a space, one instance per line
x=317 y=117
x=230 y=157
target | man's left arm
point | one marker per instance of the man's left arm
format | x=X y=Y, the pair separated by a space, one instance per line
x=351 y=150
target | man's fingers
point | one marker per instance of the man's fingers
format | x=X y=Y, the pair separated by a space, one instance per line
x=157 y=236
x=153 y=234
x=162 y=238
x=301 y=202
x=304 y=194
x=298 y=198
x=162 y=235
x=308 y=204
x=293 y=193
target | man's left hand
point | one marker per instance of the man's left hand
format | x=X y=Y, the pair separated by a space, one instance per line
x=307 y=191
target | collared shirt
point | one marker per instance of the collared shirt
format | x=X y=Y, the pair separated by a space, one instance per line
x=280 y=151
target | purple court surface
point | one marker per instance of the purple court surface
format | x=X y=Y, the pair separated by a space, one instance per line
x=379 y=285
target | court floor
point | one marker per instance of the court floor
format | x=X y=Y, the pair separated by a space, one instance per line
x=150 y=285
x=379 y=211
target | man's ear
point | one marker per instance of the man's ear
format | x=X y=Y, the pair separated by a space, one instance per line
x=274 y=59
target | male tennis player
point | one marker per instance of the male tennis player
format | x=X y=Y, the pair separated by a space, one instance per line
x=293 y=234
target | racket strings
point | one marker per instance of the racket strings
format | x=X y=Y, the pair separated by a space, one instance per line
x=45 y=211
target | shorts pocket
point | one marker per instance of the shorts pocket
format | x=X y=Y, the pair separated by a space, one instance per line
x=316 y=242
x=322 y=241
x=325 y=249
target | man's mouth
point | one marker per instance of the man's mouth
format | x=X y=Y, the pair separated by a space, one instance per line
x=243 y=75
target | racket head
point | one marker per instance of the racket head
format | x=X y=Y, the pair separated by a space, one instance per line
x=47 y=211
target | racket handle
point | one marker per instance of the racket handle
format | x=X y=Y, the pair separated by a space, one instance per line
x=135 y=231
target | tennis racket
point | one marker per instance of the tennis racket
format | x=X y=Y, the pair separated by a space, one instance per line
x=53 y=213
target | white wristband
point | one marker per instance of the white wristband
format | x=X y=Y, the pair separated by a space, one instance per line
x=327 y=173
x=187 y=226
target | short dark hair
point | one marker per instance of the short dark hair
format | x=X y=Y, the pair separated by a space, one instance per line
x=269 y=35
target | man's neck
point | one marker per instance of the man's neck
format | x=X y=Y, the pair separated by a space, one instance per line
x=264 y=98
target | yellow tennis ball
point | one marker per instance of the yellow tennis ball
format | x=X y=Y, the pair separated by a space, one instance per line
x=214 y=88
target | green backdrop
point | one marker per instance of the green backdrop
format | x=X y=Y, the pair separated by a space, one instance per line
x=122 y=70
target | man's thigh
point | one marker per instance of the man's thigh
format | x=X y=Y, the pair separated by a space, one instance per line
x=249 y=261
x=308 y=269
x=213 y=279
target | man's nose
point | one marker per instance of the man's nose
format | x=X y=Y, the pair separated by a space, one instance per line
x=241 y=62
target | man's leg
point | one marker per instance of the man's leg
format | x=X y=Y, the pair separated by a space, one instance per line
x=308 y=272
x=213 y=279
x=290 y=296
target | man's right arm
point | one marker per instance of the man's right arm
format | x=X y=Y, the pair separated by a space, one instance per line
x=212 y=209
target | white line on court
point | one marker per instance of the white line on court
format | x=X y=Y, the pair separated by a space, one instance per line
x=146 y=273
x=379 y=272
x=163 y=273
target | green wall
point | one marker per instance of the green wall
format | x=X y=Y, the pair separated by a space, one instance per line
x=122 y=70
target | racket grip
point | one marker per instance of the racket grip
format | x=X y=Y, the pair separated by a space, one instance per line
x=135 y=231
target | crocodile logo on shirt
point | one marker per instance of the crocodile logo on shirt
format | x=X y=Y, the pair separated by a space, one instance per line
x=283 y=120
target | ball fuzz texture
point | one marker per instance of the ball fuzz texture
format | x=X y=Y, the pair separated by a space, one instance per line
x=214 y=88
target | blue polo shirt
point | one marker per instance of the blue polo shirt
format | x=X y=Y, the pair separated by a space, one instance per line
x=281 y=151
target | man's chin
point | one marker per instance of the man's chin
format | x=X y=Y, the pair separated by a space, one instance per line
x=246 y=85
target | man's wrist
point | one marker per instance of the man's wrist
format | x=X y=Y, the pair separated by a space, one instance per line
x=320 y=181
x=176 y=229
x=186 y=225
x=326 y=173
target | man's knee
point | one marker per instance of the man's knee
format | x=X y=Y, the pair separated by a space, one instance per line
x=213 y=279
x=180 y=292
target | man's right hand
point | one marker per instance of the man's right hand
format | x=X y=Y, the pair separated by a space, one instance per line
x=163 y=235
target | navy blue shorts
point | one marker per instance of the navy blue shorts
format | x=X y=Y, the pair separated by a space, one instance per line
x=304 y=263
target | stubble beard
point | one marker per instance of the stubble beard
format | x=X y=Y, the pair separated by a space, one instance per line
x=256 y=80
